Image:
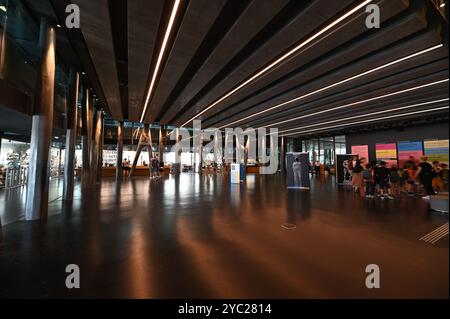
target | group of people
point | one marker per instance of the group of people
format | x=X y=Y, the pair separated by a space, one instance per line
x=375 y=179
x=154 y=167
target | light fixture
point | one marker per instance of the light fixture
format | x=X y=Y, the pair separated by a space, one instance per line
x=365 y=115
x=442 y=5
x=338 y=83
x=358 y=102
x=83 y=73
x=368 y=121
x=3 y=8
x=58 y=25
x=280 y=59
x=160 y=56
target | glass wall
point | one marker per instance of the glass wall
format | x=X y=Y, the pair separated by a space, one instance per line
x=323 y=150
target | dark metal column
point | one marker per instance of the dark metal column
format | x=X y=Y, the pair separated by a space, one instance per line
x=282 y=156
x=95 y=145
x=85 y=137
x=162 y=137
x=119 y=169
x=71 y=135
x=100 y=147
x=42 y=125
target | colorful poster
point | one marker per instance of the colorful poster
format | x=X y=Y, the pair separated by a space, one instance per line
x=387 y=153
x=436 y=150
x=362 y=151
x=409 y=149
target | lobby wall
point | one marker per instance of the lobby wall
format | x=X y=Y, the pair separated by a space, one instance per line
x=412 y=133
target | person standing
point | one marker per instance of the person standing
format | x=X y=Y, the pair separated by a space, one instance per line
x=425 y=175
x=369 y=182
x=357 y=178
x=382 y=177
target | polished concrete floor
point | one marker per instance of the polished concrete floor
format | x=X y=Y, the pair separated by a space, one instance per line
x=200 y=237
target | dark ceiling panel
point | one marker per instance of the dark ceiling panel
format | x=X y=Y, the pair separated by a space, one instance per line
x=249 y=23
x=198 y=19
x=96 y=28
x=144 y=18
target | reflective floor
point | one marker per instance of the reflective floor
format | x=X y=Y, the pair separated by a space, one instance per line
x=200 y=237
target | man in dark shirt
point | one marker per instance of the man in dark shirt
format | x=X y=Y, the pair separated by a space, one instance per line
x=382 y=178
x=425 y=175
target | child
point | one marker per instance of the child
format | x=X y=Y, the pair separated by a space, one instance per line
x=369 y=183
x=383 y=179
x=395 y=181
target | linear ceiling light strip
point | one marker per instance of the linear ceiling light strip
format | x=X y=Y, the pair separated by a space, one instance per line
x=160 y=56
x=365 y=115
x=368 y=121
x=356 y=103
x=337 y=83
x=279 y=60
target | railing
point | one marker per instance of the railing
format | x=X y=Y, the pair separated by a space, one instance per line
x=14 y=177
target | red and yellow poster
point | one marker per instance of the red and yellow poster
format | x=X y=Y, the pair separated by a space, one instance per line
x=388 y=153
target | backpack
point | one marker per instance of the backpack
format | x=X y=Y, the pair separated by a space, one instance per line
x=358 y=168
x=394 y=176
x=367 y=174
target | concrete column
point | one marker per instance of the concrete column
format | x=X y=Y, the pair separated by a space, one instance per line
x=42 y=125
x=86 y=140
x=119 y=169
x=71 y=135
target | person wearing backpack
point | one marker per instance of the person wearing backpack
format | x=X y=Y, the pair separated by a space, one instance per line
x=357 y=179
x=369 y=183
x=395 y=181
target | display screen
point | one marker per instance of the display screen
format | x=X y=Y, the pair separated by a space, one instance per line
x=362 y=151
x=436 y=150
x=409 y=149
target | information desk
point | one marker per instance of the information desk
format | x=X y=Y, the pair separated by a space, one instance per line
x=254 y=169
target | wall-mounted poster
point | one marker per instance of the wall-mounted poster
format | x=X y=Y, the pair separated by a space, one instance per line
x=387 y=153
x=436 y=150
x=297 y=170
x=343 y=174
x=362 y=151
x=408 y=149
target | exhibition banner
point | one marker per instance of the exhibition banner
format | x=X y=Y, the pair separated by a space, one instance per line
x=343 y=175
x=436 y=150
x=362 y=151
x=297 y=170
x=408 y=149
x=387 y=153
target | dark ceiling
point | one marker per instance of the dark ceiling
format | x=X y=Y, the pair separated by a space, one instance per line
x=217 y=45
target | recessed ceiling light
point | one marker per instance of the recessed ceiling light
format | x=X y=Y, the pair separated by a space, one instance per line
x=370 y=120
x=58 y=25
x=281 y=59
x=3 y=8
x=442 y=5
x=83 y=73
x=364 y=115
x=160 y=56
x=358 y=102
x=336 y=84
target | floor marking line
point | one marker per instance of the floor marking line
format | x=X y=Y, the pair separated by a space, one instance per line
x=443 y=235
x=433 y=232
x=436 y=234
